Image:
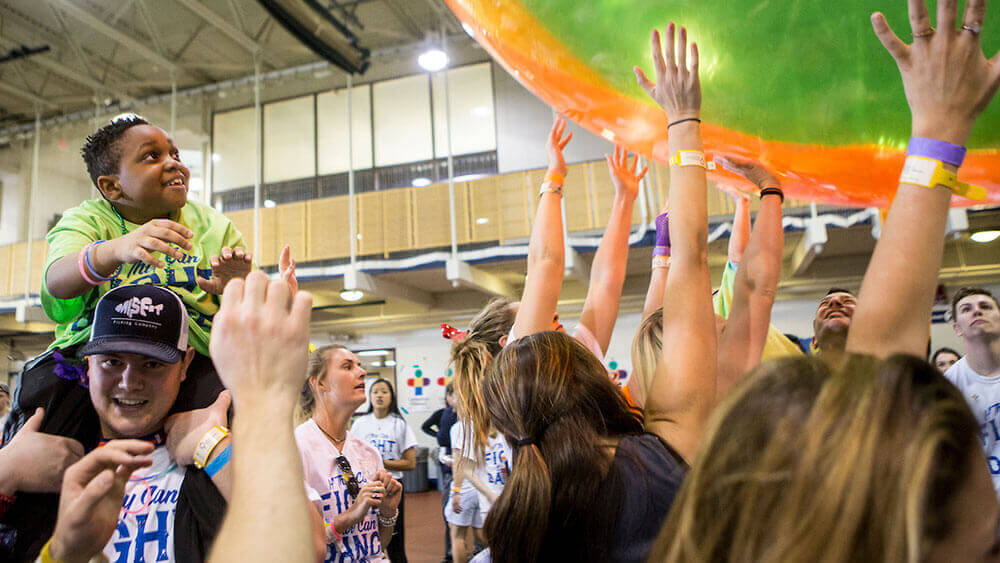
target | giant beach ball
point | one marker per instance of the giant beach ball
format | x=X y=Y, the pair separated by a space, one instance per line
x=803 y=86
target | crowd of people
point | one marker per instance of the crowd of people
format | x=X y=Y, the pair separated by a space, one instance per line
x=172 y=419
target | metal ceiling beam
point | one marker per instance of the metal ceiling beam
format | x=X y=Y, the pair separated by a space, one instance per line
x=222 y=25
x=405 y=19
x=134 y=45
x=48 y=63
x=147 y=19
x=18 y=92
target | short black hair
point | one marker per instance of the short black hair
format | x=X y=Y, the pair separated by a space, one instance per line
x=944 y=350
x=833 y=290
x=966 y=291
x=101 y=150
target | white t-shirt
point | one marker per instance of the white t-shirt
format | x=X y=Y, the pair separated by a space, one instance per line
x=457 y=436
x=494 y=469
x=327 y=490
x=983 y=396
x=391 y=436
x=146 y=521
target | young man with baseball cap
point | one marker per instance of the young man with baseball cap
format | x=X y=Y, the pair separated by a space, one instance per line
x=136 y=358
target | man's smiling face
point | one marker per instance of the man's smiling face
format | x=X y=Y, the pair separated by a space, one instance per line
x=834 y=313
x=132 y=394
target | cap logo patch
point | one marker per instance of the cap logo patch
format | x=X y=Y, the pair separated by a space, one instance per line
x=137 y=306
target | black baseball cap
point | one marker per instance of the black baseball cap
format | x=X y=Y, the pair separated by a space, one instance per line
x=139 y=319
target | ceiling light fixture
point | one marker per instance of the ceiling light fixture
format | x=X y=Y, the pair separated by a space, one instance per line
x=985 y=236
x=433 y=60
x=378 y=352
x=352 y=295
x=270 y=204
x=420 y=182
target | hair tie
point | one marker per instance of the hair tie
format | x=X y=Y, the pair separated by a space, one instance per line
x=452 y=333
x=525 y=442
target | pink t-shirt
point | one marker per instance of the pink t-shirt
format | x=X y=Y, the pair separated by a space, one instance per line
x=327 y=490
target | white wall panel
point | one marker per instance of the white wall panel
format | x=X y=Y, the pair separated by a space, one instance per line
x=289 y=140
x=233 y=150
x=402 y=120
x=331 y=112
x=473 y=126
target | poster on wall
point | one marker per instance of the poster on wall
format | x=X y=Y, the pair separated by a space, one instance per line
x=418 y=387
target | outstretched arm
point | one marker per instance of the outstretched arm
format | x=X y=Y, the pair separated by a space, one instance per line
x=682 y=392
x=756 y=283
x=546 y=251
x=741 y=224
x=263 y=316
x=660 y=265
x=948 y=82
x=607 y=273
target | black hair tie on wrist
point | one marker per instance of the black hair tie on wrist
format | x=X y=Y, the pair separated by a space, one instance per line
x=682 y=121
x=774 y=191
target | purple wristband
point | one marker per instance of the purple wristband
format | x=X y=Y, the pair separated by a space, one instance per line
x=662 y=247
x=938 y=150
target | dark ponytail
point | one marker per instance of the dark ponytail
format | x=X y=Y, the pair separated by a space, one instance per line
x=562 y=500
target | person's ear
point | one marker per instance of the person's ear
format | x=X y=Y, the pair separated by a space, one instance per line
x=109 y=186
x=186 y=362
x=958 y=331
x=503 y=341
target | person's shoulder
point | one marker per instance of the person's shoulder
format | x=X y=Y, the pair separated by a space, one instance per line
x=305 y=430
x=91 y=210
x=362 y=420
x=958 y=370
x=201 y=214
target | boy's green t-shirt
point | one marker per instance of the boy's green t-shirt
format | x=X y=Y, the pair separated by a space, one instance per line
x=96 y=220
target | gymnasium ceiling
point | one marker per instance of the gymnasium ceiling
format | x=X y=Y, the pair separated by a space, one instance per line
x=106 y=51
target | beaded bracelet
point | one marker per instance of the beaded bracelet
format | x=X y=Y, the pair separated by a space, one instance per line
x=81 y=265
x=90 y=267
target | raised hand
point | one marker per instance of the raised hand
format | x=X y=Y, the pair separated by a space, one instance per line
x=34 y=462
x=623 y=174
x=393 y=493
x=257 y=325
x=229 y=264
x=677 y=89
x=91 y=498
x=947 y=80
x=139 y=245
x=555 y=145
x=286 y=267
x=749 y=169
x=186 y=429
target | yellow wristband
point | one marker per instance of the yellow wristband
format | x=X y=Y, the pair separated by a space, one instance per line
x=691 y=158
x=555 y=178
x=549 y=187
x=207 y=444
x=930 y=173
